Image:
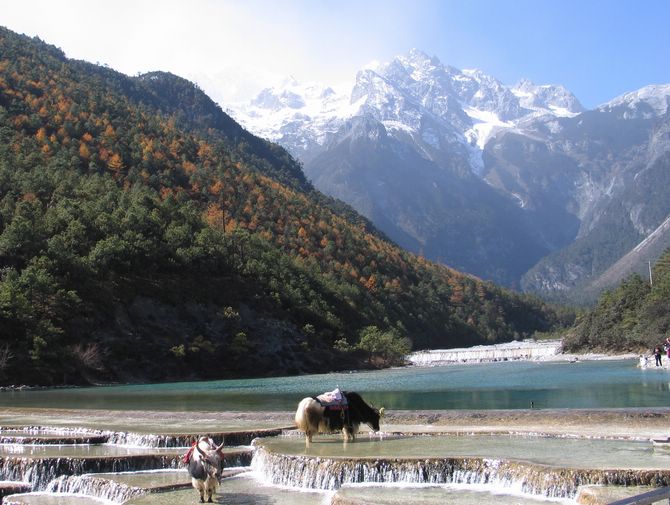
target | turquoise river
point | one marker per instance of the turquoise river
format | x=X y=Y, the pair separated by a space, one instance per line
x=502 y=385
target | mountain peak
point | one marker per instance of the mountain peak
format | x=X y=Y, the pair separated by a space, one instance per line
x=525 y=85
x=406 y=93
x=421 y=66
x=417 y=55
x=648 y=101
x=547 y=98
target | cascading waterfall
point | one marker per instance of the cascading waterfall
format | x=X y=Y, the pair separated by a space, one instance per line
x=527 y=478
x=40 y=471
x=148 y=440
x=185 y=440
x=510 y=351
x=94 y=486
x=42 y=435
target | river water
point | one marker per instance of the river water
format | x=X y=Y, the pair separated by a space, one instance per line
x=517 y=466
x=504 y=385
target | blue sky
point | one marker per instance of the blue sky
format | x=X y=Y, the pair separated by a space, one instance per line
x=597 y=49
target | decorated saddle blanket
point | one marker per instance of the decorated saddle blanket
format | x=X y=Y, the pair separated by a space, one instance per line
x=333 y=400
x=187 y=457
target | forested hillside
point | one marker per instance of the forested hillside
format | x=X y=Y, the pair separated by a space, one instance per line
x=145 y=236
x=633 y=317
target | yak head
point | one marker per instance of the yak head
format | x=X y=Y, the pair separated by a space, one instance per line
x=211 y=457
x=365 y=413
x=374 y=418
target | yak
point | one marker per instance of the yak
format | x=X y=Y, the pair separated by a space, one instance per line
x=315 y=415
x=205 y=466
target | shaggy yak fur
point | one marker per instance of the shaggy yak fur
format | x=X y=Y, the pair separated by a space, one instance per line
x=313 y=417
x=205 y=467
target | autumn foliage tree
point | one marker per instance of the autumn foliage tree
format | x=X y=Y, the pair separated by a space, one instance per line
x=126 y=197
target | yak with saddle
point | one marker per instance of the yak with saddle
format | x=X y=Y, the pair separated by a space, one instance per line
x=334 y=411
x=204 y=461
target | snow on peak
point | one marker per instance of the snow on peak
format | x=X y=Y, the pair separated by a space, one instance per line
x=485 y=123
x=648 y=101
x=416 y=59
x=374 y=65
x=411 y=94
x=309 y=110
x=273 y=99
x=547 y=98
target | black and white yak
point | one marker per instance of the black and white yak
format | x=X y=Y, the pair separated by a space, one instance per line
x=205 y=466
x=316 y=416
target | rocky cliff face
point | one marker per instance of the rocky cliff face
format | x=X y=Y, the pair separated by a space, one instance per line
x=517 y=184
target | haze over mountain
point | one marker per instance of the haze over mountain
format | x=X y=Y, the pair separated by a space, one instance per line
x=517 y=184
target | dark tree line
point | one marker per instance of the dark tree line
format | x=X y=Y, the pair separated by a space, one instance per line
x=635 y=316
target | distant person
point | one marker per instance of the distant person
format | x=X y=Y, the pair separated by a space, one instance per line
x=643 y=361
x=657 y=355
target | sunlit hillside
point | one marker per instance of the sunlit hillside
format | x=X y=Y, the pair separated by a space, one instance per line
x=144 y=235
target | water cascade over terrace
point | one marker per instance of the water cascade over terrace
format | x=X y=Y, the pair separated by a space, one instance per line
x=510 y=351
x=54 y=460
x=232 y=438
x=547 y=467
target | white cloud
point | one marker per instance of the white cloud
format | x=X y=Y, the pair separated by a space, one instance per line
x=218 y=42
x=231 y=48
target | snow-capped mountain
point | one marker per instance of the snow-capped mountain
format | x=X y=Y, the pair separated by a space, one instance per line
x=466 y=105
x=647 y=102
x=493 y=179
x=547 y=99
x=298 y=116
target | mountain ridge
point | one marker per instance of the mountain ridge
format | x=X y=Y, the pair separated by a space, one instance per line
x=535 y=146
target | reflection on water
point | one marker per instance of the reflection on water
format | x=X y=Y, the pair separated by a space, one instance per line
x=507 y=385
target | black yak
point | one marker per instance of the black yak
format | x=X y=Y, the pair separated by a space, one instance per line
x=315 y=415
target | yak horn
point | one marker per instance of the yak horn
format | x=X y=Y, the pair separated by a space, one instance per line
x=200 y=450
x=218 y=449
x=382 y=411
